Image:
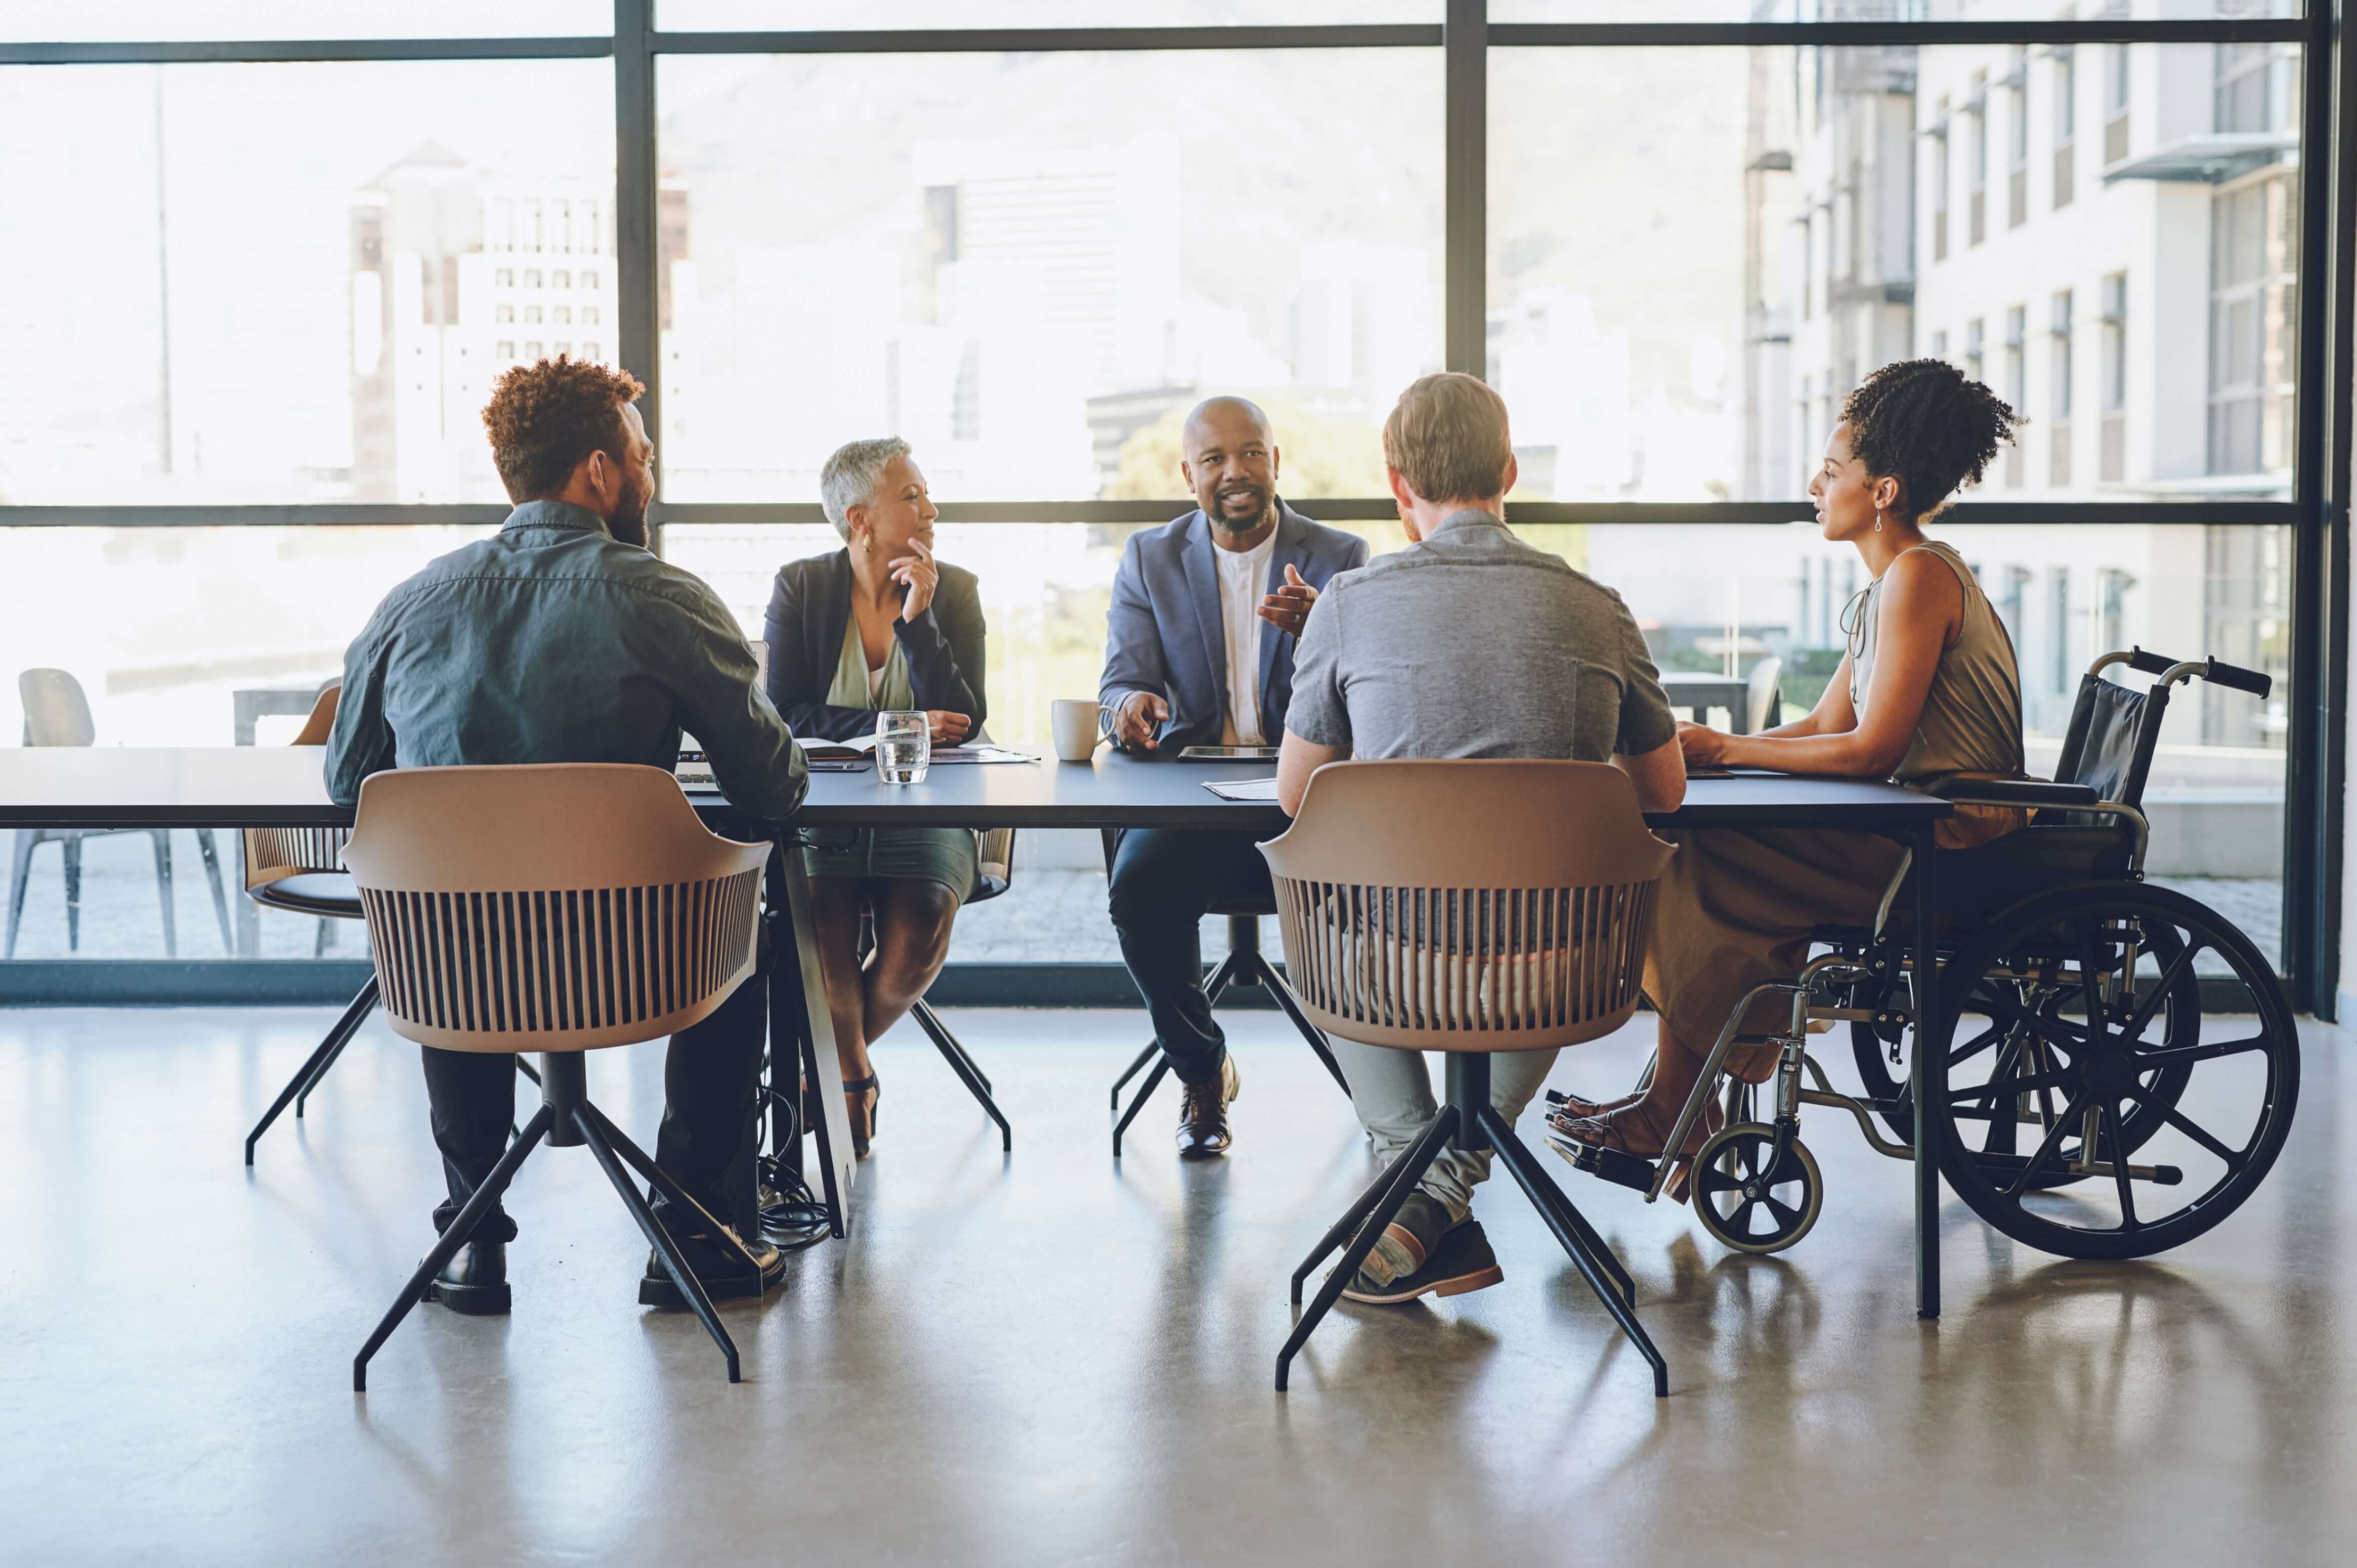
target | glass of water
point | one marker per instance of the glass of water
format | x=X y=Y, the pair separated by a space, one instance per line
x=904 y=746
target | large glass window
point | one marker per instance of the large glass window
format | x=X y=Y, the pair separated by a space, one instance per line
x=276 y=283
x=99 y=21
x=1028 y=267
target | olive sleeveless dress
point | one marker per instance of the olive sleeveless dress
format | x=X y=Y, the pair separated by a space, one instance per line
x=1735 y=906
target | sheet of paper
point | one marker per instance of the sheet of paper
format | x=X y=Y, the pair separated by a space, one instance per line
x=1245 y=789
x=982 y=754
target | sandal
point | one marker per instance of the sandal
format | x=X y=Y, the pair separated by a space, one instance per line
x=1581 y=1109
x=861 y=1096
x=1634 y=1129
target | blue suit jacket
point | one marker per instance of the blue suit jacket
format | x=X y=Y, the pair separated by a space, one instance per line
x=1163 y=633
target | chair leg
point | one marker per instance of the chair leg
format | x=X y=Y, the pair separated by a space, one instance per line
x=307 y=1077
x=1153 y=1049
x=19 y=876
x=664 y=1182
x=963 y=1065
x=73 y=848
x=1291 y=1007
x=526 y=1069
x=1402 y=1178
x=162 y=838
x=1588 y=1253
x=674 y=1263
x=479 y=1203
x=1145 y=1092
x=211 y=853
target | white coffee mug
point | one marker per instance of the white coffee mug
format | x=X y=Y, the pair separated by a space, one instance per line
x=1077 y=728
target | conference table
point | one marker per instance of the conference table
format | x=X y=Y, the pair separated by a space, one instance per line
x=250 y=787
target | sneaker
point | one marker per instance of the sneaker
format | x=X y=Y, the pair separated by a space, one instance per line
x=1463 y=1261
x=1410 y=1238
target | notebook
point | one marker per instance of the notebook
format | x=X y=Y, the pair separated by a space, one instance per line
x=1245 y=789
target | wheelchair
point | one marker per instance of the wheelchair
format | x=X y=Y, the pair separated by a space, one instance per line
x=2113 y=1066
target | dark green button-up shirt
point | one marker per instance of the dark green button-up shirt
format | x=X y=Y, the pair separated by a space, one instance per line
x=553 y=641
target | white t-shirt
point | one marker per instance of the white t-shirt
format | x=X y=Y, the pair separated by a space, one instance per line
x=1243 y=583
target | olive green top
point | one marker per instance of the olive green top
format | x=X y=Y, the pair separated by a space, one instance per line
x=850 y=690
x=1972 y=715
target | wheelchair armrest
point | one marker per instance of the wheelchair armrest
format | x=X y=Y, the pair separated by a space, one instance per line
x=2013 y=792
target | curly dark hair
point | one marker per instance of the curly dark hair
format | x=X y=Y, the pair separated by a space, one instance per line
x=544 y=418
x=1927 y=425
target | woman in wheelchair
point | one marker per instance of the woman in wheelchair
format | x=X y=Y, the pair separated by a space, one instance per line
x=1928 y=689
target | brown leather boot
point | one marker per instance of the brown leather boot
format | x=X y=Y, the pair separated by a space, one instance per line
x=1203 y=1115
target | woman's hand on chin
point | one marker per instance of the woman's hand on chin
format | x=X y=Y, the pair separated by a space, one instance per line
x=1704 y=746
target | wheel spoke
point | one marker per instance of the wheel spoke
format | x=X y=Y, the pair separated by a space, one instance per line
x=2091 y=983
x=1786 y=1215
x=2053 y=1137
x=2133 y=1030
x=2009 y=1088
x=2206 y=1051
x=1966 y=1052
x=2234 y=1159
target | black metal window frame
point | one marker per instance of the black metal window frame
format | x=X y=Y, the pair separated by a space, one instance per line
x=2318 y=514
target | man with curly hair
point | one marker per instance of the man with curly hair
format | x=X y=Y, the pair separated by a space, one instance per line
x=562 y=638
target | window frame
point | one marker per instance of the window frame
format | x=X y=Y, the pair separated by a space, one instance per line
x=2317 y=514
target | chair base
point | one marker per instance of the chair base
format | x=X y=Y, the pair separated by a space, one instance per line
x=1470 y=1121
x=977 y=1083
x=331 y=1049
x=566 y=1118
x=1244 y=965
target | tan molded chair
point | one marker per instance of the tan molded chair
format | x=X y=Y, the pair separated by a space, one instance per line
x=57 y=713
x=1467 y=907
x=301 y=871
x=557 y=909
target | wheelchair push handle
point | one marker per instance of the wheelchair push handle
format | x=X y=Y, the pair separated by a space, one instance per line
x=2217 y=672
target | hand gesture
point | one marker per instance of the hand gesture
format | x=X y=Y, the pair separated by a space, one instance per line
x=1287 y=609
x=1134 y=722
x=949 y=726
x=1703 y=747
x=919 y=575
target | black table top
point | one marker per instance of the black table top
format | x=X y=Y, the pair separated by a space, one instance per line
x=254 y=786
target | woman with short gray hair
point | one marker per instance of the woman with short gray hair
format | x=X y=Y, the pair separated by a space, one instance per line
x=878 y=626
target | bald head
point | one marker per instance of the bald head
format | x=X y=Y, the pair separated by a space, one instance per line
x=1230 y=463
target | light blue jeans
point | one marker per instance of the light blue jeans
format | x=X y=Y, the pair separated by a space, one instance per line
x=1392 y=1092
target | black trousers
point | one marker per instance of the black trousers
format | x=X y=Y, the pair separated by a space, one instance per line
x=706 y=1141
x=1164 y=882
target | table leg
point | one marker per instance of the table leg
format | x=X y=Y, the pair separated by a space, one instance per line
x=1927 y=1158
x=820 y=1022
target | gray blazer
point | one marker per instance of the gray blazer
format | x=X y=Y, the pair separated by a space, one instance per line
x=1163 y=633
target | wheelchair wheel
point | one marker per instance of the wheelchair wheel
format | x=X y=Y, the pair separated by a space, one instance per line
x=2178 y=1021
x=1747 y=1198
x=2046 y=1029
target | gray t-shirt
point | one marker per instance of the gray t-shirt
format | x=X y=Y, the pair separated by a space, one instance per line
x=1475 y=644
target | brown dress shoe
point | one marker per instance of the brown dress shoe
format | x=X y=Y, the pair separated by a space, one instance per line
x=1203 y=1115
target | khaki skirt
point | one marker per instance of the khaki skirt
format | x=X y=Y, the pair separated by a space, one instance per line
x=946 y=855
x=1735 y=909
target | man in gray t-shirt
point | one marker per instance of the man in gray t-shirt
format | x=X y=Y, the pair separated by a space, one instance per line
x=1468 y=643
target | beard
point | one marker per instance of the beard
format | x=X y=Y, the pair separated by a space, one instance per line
x=629 y=524
x=1227 y=522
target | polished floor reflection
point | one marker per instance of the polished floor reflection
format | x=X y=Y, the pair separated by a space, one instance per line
x=1050 y=1358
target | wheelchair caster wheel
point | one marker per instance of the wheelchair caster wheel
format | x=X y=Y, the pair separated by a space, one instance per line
x=1747 y=1204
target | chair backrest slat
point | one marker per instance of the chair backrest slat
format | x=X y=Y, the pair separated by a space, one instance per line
x=1473 y=905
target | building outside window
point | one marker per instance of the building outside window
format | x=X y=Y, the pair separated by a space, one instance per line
x=2016 y=382
x=2251 y=317
x=2114 y=392
x=2066 y=123
x=1974 y=365
x=1976 y=151
x=2017 y=136
x=2116 y=102
x=1938 y=345
x=2058 y=396
x=1941 y=175
x=503 y=313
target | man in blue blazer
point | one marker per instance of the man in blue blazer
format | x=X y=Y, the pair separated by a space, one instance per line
x=1199 y=651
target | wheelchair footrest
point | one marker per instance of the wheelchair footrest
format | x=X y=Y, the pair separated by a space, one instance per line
x=1610 y=1164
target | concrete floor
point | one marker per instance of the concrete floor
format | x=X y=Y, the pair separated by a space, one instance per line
x=1052 y=1359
